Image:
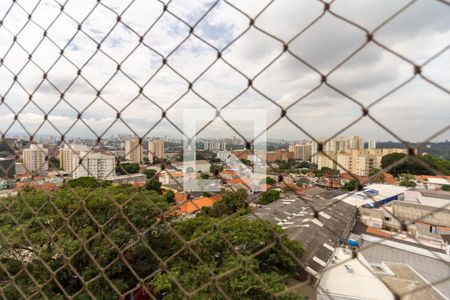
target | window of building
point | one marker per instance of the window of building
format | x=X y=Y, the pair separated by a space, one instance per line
x=433 y=228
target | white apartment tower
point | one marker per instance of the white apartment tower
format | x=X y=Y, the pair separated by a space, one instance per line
x=93 y=164
x=155 y=149
x=371 y=144
x=134 y=151
x=34 y=160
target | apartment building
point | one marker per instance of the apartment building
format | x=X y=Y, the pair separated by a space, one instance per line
x=155 y=149
x=341 y=144
x=327 y=160
x=134 y=150
x=34 y=160
x=302 y=150
x=66 y=153
x=212 y=145
x=349 y=155
x=93 y=164
x=357 y=162
x=371 y=144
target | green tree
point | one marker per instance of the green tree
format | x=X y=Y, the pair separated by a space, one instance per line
x=230 y=203
x=127 y=168
x=222 y=248
x=269 y=197
x=304 y=164
x=169 y=196
x=446 y=187
x=53 y=163
x=204 y=176
x=407 y=180
x=70 y=235
x=88 y=182
x=268 y=180
x=350 y=185
x=150 y=173
x=215 y=169
x=417 y=165
x=153 y=185
x=246 y=162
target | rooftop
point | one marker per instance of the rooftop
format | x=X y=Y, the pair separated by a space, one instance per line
x=194 y=205
x=319 y=232
x=438 y=180
x=435 y=271
x=429 y=199
x=351 y=278
x=371 y=194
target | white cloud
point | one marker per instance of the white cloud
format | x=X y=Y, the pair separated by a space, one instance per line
x=415 y=112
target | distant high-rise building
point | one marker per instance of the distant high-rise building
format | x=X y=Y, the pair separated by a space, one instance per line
x=66 y=153
x=302 y=150
x=372 y=144
x=212 y=145
x=134 y=151
x=93 y=164
x=34 y=160
x=155 y=149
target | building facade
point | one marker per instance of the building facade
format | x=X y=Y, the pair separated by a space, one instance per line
x=134 y=151
x=212 y=145
x=34 y=160
x=66 y=153
x=371 y=144
x=302 y=150
x=155 y=149
x=97 y=165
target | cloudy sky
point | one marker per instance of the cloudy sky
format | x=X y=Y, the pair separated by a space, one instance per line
x=416 y=111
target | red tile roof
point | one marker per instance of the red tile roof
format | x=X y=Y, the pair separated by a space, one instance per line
x=180 y=197
x=348 y=176
x=194 y=205
x=216 y=197
x=41 y=187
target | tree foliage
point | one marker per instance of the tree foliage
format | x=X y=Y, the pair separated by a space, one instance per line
x=215 y=169
x=413 y=166
x=53 y=163
x=127 y=168
x=446 y=187
x=87 y=182
x=88 y=234
x=269 y=197
x=153 y=185
x=169 y=196
x=68 y=231
x=204 y=175
x=150 y=173
x=350 y=185
x=230 y=203
x=221 y=249
x=269 y=180
x=407 y=180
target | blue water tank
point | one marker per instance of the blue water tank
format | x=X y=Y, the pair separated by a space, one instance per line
x=353 y=243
